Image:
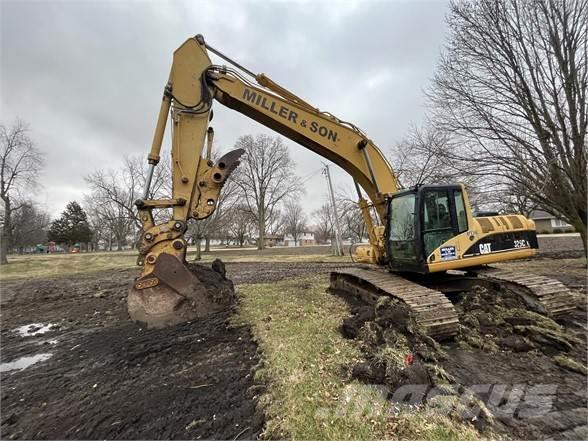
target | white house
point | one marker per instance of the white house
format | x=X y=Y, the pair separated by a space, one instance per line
x=305 y=239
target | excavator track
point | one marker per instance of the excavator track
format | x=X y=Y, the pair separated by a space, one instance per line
x=542 y=294
x=430 y=308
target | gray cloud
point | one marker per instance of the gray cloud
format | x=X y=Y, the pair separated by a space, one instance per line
x=88 y=75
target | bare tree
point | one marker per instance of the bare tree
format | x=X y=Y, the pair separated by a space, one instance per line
x=112 y=222
x=266 y=178
x=426 y=156
x=422 y=158
x=323 y=223
x=511 y=88
x=351 y=220
x=111 y=203
x=20 y=165
x=275 y=223
x=30 y=225
x=518 y=201
x=240 y=223
x=294 y=220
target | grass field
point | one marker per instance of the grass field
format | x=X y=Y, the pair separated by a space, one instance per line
x=54 y=265
x=305 y=359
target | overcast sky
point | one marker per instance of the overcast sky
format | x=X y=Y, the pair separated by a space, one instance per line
x=88 y=76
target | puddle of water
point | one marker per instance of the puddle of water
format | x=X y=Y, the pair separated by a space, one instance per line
x=34 y=329
x=24 y=362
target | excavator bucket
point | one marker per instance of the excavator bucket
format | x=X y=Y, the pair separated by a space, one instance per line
x=177 y=292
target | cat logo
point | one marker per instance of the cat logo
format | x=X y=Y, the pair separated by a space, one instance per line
x=485 y=248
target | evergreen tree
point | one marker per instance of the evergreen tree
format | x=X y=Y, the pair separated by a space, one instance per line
x=71 y=227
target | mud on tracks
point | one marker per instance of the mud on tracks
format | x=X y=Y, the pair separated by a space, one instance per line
x=509 y=370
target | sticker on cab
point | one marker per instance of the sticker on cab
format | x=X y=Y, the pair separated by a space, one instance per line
x=448 y=253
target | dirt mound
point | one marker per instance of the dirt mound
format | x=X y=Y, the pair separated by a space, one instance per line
x=494 y=321
x=180 y=293
x=502 y=351
x=397 y=349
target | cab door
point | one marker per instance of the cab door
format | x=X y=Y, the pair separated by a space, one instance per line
x=402 y=235
x=443 y=216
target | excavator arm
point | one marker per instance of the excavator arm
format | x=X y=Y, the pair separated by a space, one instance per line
x=194 y=83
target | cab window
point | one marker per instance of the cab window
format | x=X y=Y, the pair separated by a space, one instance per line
x=437 y=227
x=402 y=227
x=437 y=214
x=462 y=220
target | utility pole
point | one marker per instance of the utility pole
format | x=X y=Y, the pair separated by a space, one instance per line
x=338 y=241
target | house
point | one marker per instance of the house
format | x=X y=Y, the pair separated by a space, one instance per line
x=272 y=240
x=304 y=239
x=548 y=223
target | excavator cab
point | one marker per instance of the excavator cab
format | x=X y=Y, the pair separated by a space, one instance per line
x=431 y=228
x=420 y=220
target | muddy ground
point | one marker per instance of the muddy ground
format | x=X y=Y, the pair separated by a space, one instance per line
x=525 y=373
x=106 y=378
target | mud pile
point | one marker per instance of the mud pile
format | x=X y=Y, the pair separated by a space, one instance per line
x=500 y=344
x=499 y=321
x=396 y=348
x=220 y=290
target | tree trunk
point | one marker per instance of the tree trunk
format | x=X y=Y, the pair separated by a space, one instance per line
x=581 y=228
x=198 y=255
x=3 y=249
x=261 y=241
x=5 y=233
x=207 y=244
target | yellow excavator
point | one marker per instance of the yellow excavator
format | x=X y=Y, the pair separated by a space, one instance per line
x=425 y=242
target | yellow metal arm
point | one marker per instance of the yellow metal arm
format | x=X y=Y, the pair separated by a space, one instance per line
x=193 y=84
x=342 y=144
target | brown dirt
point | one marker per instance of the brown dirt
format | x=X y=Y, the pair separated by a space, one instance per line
x=109 y=379
x=500 y=344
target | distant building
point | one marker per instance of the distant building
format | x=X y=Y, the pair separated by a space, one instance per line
x=548 y=223
x=272 y=240
x=305 y=239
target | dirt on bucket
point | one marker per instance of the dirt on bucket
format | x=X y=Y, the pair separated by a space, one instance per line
x=177 y=292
